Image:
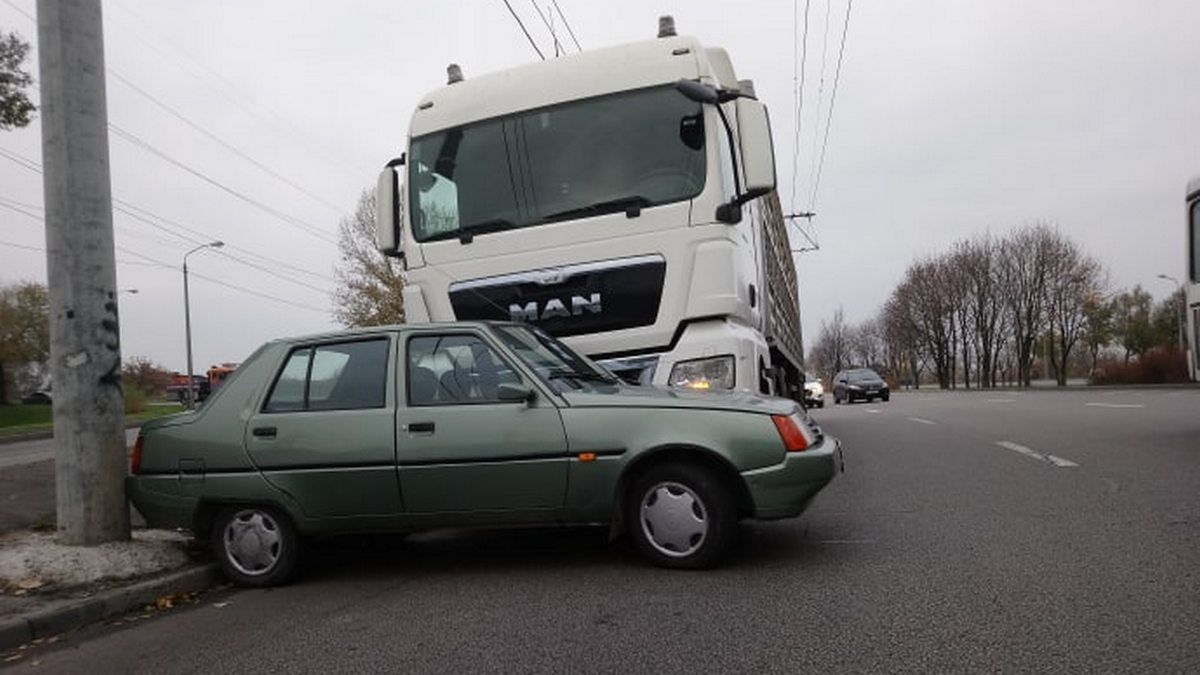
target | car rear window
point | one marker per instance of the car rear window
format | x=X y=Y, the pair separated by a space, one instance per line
x=337 y=376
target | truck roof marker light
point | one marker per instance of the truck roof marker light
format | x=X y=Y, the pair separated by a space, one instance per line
x=666 y=26
x=453 y=74
x=794 y=439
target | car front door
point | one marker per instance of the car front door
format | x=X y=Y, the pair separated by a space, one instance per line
x=325 y=432
x=460 y=449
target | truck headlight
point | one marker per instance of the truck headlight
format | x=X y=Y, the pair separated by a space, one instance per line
x=715 y=372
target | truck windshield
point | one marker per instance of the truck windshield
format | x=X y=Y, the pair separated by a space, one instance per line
x=602 y=155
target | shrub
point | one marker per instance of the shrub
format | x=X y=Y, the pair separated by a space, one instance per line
x=1160 y=365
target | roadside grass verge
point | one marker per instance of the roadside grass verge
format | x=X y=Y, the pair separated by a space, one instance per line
x=18 y=419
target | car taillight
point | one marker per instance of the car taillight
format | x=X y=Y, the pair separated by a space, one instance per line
x=135 y=460
x=792 y=433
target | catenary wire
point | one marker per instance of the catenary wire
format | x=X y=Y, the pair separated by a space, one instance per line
x=832 y=100
x=523 y=29
x=570 y=31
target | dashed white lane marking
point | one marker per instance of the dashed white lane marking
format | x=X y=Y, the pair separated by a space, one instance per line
x=1059 y=461
x=1029 y=452
x=1116 y=405
x=872 y=410
x=846 y=541
x=1017 y=447
x=1001 y=400
x=922 y=420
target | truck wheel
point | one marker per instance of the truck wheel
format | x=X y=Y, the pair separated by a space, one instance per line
x=255 y=545
x=681 y=515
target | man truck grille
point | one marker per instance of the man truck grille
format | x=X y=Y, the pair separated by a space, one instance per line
x=569 y=300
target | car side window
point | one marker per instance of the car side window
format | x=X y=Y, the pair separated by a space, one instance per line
x=338 y=376
x=288 y=392
x=454 y=369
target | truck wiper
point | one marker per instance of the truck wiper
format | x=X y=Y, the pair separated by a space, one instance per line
x=631 y=205
x=465 y=233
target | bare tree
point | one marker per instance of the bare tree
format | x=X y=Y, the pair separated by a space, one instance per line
x=1025 y=257
x=1073 y=277
x=831 y=351
x=369 y=284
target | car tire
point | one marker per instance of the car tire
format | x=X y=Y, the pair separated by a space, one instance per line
x=885 y=398
x=695 y=528
x=255 y=546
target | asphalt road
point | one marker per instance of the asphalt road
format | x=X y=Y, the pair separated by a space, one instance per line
x=21 y=453
x=1039 y=531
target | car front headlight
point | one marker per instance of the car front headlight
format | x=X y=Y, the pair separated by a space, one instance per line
x=716 y=372
x=855 y=387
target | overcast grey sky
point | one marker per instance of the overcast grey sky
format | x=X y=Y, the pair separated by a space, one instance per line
x=952 y=118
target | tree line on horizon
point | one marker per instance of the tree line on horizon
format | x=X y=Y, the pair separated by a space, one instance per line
x=987 y=310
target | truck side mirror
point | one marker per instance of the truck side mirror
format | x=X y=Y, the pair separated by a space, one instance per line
x=757 y=149
x=387 y=210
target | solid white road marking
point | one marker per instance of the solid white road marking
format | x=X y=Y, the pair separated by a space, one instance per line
x=1029 y=452
x=922 y=420
x=1116 y=405
x=1059 y=461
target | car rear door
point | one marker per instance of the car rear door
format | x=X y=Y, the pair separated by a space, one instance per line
x=459 y=448
x=324 y=433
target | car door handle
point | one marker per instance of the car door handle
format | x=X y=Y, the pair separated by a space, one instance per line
x=419 y=428
x=264 y=432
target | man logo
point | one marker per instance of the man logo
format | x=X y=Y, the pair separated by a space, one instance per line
x=555 y=308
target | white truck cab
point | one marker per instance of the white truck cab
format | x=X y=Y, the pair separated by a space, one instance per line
x=622 y=199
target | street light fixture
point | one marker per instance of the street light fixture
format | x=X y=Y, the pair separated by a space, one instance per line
x=131 y=291
x=187 y=321
x=1182 y=315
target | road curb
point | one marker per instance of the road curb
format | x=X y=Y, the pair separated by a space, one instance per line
x=71 y=614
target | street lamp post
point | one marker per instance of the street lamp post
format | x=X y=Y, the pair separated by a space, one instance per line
x=1182 y=314
x=187 y=322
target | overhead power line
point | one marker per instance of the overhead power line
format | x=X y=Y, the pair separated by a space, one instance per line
x=524 y=29
x=832 y=100
x=553 y=36
x=566 y=23
x=292 y=221
x=798 y=80
x=165 y=225
x=222 y=142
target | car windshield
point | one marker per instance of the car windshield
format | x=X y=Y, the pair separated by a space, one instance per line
x=864 y=376
x=554 y=362
x=601 y=155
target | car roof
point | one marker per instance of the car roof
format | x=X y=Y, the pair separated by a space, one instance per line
x=394 y=328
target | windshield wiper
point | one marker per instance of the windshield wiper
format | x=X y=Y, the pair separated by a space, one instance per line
x=581 y=375
x=466 y=233
x=631 y=205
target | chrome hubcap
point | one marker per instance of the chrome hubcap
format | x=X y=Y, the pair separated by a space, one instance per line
x=674 y=519
x=252 y=542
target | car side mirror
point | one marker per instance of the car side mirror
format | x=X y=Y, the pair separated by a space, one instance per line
x=510 y=392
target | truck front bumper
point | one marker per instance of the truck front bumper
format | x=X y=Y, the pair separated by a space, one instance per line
x=784 y=490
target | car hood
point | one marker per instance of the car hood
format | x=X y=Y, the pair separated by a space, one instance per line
x=662 y=397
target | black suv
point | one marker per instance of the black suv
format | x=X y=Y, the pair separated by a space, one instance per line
x=859 y=384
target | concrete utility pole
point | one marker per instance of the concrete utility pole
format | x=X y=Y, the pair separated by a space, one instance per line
x=85 y=343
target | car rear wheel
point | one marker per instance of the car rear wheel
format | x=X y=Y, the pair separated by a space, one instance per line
x=255 y=545
x=681 y=515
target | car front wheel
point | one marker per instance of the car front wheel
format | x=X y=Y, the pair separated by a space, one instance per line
x=255 y=545
x=681 y=515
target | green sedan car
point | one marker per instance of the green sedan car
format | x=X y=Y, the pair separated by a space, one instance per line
x=416 y=427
